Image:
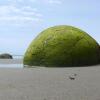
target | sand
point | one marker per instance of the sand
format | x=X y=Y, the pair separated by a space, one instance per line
x=50 y=83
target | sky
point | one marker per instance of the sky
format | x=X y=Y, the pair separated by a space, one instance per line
x=22 y=20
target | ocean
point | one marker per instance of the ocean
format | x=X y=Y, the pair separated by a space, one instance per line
x=16 y=62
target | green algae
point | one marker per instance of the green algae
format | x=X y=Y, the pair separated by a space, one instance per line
x=62 y=46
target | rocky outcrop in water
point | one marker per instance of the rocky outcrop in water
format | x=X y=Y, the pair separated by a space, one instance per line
x=6 y=56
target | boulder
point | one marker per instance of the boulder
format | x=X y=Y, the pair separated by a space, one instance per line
x=62 y=46
x=6 y=56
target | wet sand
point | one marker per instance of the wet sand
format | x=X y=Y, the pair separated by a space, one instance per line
x=50 y=83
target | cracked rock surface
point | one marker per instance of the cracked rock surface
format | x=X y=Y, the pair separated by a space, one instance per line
x=62 y=46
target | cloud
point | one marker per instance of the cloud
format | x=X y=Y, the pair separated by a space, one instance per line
x=17 y=11
x=17 y=15
x=49 y=1
x=38 y=1
x=54 y=1
x=18 y=18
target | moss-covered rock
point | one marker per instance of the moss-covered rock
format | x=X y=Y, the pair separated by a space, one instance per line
x=62 y=46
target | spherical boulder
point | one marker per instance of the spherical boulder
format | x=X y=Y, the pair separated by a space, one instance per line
x=62 y=46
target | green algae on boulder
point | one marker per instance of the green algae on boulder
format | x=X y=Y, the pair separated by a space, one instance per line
x=62 y=46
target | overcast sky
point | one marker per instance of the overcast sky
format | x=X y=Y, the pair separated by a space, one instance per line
x=22 y=20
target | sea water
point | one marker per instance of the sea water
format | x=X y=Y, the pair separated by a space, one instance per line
x=16 y=62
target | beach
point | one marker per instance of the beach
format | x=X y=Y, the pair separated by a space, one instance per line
x=41 y=83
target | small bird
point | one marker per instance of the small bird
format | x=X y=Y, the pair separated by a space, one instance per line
x=71 y=78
